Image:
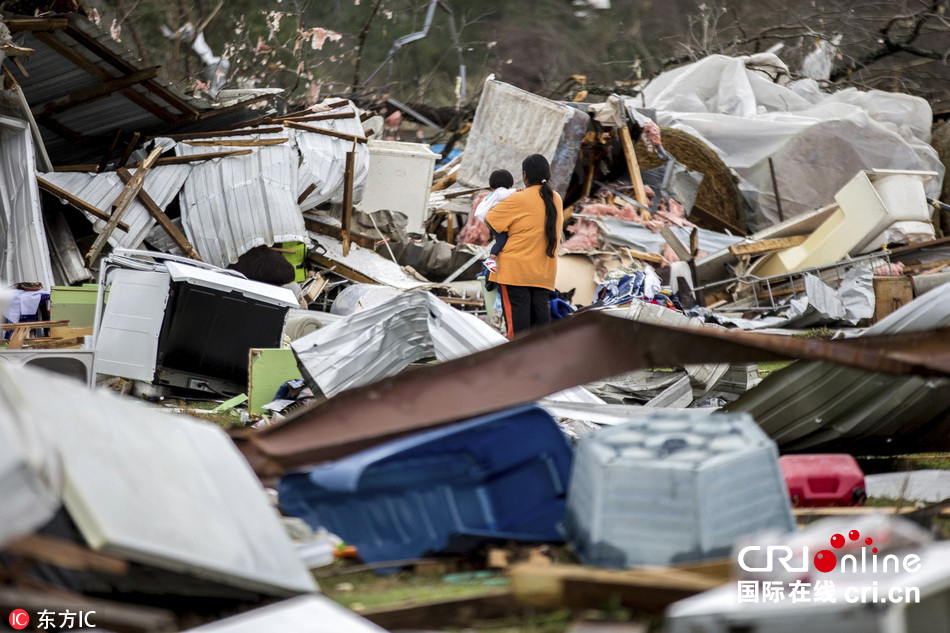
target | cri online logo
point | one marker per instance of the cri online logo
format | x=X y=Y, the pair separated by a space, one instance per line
x=19 y=619
x=826 y=560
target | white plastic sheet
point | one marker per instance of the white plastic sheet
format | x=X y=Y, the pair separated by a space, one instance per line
x=747 y=111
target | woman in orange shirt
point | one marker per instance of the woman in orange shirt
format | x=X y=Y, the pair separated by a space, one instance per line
x=527 y=266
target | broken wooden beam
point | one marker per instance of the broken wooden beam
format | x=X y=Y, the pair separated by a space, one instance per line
x=77 y=202
x=449 y=613
x=350 y=114
x=104 y=162
x=347 y=220
x=580 y=587
x=259 y=142
x=122 y=203
x=129 y=149
x=90 y=67
x=323 y=228
x=17 y=25
x=163 y=220
x=766 y=246
x=105 y=614
x=33 y=324
x=94 y=93
x=711 y=220
x=678 y=247
x=219 y=133
x=306 y=192
x=632 y=165
x=319 y=130
x=181 y=160
x=66 y=554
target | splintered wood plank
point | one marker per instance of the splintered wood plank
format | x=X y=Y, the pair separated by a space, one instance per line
x=766 y=246
x=122 y=203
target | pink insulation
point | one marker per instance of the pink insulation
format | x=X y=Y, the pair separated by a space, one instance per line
x=584 y=237
x=890 y=270
x=651 y=136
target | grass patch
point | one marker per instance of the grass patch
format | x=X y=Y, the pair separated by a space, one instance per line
x=768 y=367
x=368 y=590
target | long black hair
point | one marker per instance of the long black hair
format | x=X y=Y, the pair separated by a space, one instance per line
x=537 y=171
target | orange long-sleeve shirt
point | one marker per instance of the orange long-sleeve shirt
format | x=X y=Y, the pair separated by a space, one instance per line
x=524 y=260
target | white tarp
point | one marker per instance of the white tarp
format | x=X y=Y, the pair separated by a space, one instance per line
x=154 y=488
x=231 y=205
x=24 y=254
x=747 y=111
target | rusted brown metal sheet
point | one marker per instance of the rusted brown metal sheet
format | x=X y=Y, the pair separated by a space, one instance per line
x=584 y=348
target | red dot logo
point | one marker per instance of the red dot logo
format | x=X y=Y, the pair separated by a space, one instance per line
x=19 y=619
x=869 y=540
x=854 y=535
x=825 y=561
x=837 y=541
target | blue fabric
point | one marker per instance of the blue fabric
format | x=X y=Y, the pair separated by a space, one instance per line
x=500 y=476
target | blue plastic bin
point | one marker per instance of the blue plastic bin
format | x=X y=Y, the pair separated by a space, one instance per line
x=498 y=477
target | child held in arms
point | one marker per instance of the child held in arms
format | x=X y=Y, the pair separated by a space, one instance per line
x=502 y=184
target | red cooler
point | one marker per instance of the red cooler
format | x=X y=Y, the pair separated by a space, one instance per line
x=823 y=480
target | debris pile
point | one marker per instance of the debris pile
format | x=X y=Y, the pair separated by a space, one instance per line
x=750 y=323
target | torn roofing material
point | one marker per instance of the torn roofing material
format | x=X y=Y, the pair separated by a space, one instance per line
x=78 y=73
x=362 y=264
x=24 y=253
x=158 y=489
x=535 y=366
x=511 y=123
x=162 y=184
x=816 y=406
x=381 y=341
x=230 y=205
x=323 y=160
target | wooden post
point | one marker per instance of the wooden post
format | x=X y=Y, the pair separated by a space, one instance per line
x=129 y=149
x=693 y=253
x=778 y=201
x=156 y=212
x=632 y=165
x=348 y=198
x=588 y=176
x=122 y=203
x=449 y=228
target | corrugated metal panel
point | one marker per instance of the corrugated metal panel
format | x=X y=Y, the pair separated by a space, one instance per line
x=100 y=190
x=231 y=205
x=323 y=160
x=509 y=125
x=24 y=254
x=52 y=76
x=810 y=406
x=383 y=340
x=154 y=488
